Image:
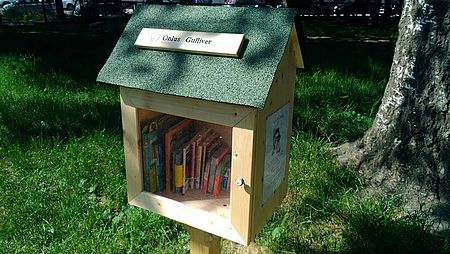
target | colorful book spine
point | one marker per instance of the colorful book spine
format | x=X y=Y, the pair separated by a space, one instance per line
x=198 y=166
x=153 y=173
x=219 y=175
x=197 y=142
x=209 y=145
x=160 y=167
x=178 y=172
x=206 y=177
x=192 y=166
x=151 y=132
x=186 y=166
x=150 y=163
x=145 y=162
x=226 y=175
x=212 y=173
x=206 y=150
x=151 y=183
x=181 y=149
x=168 y=136
x=216 y=159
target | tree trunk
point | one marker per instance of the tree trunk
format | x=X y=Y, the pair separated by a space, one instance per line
x=407 y=150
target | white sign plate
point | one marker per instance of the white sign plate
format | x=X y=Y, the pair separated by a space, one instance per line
x=275 y=151
x=220 y=44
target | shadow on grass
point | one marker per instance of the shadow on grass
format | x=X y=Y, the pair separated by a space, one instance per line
x=368 y=233
x=67 y=65
x=355 y=57
x=78 y=56
x=47 y=119
x=364 y=227
x=339 y=92
x=295 y=245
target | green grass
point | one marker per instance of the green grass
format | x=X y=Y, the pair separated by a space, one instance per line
x=338 y=95
x=62 y=179
x=62 y=183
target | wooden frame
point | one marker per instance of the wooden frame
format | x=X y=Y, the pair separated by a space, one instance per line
x=240 y=215
x=213 y=215
x=282 y=93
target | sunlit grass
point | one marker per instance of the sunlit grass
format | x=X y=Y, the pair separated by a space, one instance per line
x=336 y=105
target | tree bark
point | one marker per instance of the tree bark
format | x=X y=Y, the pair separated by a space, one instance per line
x=407 y=150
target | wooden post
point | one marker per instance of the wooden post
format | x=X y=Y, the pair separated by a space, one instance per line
x=203 y=242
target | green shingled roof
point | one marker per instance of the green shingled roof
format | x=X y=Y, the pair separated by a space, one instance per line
x=244 y=81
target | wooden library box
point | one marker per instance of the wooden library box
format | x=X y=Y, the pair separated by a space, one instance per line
x=245 y=99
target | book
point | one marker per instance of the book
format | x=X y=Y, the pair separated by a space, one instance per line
x=199 y=156
x=151 y=135
x=172 y=134
x=160 y=179
x=192 y=167
x=216 y=145
x=226 y=176
x=178 y=171
x=206 y=176
x=189 y=163
x=216 y=159
x=198 y=166
x=149 y=172
x=189 y=159
x=192 y=153
x=176 y=157
x=206 y=150
x=153 y=173
x=210 y=143
x=160 y=166
x=219 y=174
x=145 y=163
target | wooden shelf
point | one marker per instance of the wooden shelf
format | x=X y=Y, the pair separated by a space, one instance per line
x=207 y=214
x=197 y=199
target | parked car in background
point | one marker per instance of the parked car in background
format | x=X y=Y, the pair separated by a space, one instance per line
x=69 y=4
x=4 y=2
x=23 y=9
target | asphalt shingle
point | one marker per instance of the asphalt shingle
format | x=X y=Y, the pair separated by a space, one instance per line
x=243 y=81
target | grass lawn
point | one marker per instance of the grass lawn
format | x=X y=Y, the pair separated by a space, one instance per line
x=62 y=177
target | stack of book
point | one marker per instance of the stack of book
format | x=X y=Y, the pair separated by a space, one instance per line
x=178 y=156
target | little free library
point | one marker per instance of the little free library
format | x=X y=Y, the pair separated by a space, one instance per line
x=206 y=99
